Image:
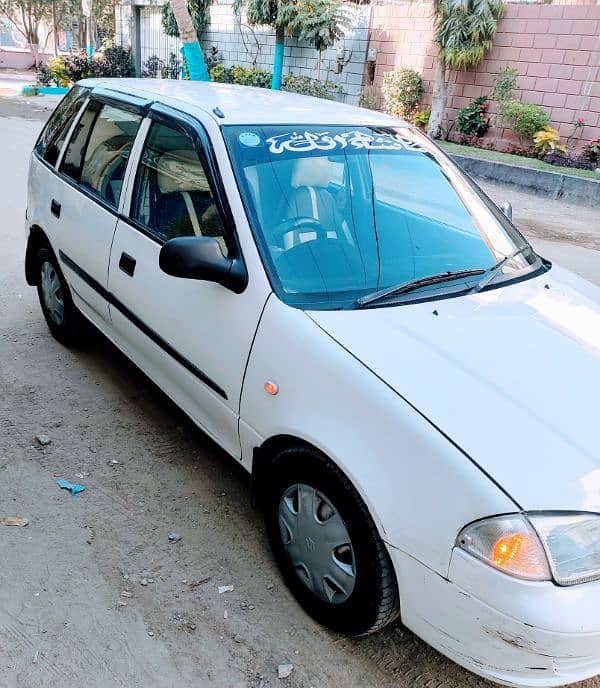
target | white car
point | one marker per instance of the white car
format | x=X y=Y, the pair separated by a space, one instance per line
x=413 y=389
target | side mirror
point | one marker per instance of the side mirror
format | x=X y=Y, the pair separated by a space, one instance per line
x=506 y=209
x=201 y=258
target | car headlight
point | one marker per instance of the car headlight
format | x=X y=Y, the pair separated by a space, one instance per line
x=538 y=546
x=573 y=545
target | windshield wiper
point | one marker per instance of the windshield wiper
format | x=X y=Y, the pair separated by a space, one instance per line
x=412 y=285
x=496 y=268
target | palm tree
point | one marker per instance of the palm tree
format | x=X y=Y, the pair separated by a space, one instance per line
x=192 y=51
x=464 y=33
x=319 y=22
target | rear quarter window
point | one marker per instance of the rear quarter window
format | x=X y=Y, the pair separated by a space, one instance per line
x=55 y=132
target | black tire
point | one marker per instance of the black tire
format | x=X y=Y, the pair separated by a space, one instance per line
x=68 y=327
x=373 y=602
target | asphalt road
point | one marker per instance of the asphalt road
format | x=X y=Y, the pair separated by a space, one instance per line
x=64 y=620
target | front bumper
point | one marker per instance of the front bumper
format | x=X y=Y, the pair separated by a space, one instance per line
x=514 y=632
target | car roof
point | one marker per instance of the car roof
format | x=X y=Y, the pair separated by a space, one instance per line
x=245 y=104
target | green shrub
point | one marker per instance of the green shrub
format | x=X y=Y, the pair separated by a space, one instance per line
x=262 y=79
x=80 y=67
x=58 y=71
x=473 y=120
x=220 y=74
x=310 y=87
x=67 y=69
x=402 y=91
x=152 y=67
x=172 y=68
x=251 y=77
x=525 y=119
x=240 y=75
x=591 y=152
x=421 y=118
x=113 y=61
x=43 y=75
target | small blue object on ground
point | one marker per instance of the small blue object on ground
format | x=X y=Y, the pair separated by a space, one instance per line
x=73 y=487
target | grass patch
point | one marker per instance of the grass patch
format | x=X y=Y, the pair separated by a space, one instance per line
x=457 y=149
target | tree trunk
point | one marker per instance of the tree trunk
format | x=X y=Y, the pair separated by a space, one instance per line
x=89 y=48
x=35 y=54
x=441 y=91
x=278 y=58
x=30 y=31
x=191 y=49
x=54 y=29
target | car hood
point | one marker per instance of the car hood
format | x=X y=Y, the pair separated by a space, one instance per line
x=511 y=375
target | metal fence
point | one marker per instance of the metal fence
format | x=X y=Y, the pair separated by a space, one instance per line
x=159 y=54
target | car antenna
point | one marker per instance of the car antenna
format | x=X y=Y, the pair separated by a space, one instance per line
x=218 y=112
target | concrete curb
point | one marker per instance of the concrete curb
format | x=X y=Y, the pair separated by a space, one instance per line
x=52 y=90
x=551 y=184
x=33 y=90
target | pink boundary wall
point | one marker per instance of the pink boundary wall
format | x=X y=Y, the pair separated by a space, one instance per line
x=19 y=58
x=554 y=48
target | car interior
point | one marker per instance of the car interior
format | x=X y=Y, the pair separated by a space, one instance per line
x=301 y=205
x=106 y=150
x=348 y=222
x=173 y=195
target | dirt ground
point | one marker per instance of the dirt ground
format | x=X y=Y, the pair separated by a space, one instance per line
x=92 y=593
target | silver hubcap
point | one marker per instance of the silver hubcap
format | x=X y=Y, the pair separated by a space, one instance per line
x=316 y=540
x=52 y=293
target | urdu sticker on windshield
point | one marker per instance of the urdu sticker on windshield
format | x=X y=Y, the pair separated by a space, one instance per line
x=295 y=142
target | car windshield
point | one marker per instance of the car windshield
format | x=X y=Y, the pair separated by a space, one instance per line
x=341 y=212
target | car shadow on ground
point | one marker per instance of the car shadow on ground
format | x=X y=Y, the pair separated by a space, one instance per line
x=394 y=656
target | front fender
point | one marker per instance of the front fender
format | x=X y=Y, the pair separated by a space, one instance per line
x=420 y=488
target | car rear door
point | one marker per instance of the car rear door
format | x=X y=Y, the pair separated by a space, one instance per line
x=86 y=194
x=192 y=337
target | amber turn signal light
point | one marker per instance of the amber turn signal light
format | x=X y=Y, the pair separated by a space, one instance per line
x=271 y=388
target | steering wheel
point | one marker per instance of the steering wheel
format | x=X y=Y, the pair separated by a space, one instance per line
x=299 y=224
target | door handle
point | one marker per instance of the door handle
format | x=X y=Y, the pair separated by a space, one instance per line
x=55 y=208
x=127 y=264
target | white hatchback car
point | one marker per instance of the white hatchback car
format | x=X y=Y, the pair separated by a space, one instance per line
x=413 y=389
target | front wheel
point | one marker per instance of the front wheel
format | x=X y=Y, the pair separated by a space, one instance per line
x=327 y=545
x=64 y=320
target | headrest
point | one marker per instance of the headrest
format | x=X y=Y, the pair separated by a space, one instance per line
x=311 y=171
x=180 y=170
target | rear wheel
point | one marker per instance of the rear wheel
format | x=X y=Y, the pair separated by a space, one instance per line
x=327 y=545
x=64 y=320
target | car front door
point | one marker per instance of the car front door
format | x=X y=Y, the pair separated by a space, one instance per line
x=192 y=337
x=85 y=198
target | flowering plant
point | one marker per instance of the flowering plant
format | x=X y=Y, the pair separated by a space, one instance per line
x=547 y=141
x=473 y=120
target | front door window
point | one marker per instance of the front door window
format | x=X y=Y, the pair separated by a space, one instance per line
x=172 y=196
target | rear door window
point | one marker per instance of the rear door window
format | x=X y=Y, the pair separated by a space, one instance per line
x=97 y=153
x=73 y=158
x=55 y=132
x=107 y=152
